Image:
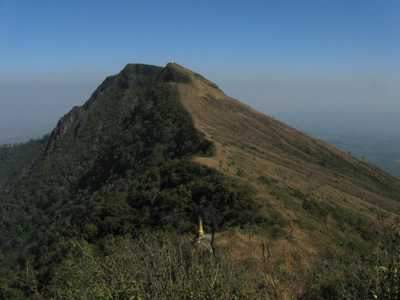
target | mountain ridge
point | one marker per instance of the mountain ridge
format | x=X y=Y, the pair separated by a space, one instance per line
x=112 y=148
x=154 y=148
x=286 y=152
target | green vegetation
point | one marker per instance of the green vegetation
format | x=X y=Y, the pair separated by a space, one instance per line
x=122 y=167
x=16 y=160
x=102 y=208
x=164 y=266
x=151 y=267
x=349 y=277
x=170 y=74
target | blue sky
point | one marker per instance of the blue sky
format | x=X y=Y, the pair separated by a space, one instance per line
x=309 y=63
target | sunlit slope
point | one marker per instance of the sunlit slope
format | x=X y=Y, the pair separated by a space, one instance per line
x=287 y=166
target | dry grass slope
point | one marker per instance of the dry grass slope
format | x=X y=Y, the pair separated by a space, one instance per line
x=287 y=166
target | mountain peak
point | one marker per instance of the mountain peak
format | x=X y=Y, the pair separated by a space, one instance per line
x=119 y=86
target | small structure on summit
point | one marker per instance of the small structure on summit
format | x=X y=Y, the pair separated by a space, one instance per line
x=172 y=62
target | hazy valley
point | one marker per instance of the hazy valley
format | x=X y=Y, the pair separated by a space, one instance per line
x=382 y=151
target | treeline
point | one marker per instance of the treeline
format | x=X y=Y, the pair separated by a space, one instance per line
x=17 y=159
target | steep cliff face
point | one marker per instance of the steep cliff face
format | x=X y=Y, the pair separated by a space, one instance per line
x=71 y=121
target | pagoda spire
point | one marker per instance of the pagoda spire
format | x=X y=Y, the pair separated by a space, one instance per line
x=201 y=231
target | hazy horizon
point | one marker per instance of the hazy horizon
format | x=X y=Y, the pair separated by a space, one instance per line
x=330 y=67
x=37 y=104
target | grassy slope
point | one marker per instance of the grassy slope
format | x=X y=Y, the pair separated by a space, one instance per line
x=250 y=144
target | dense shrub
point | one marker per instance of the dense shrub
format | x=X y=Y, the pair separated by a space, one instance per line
x=149 y=268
